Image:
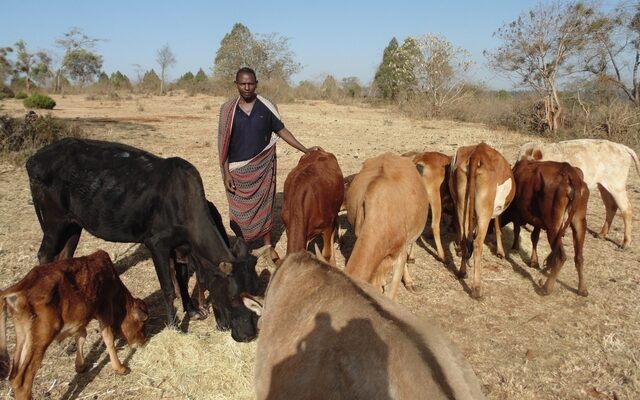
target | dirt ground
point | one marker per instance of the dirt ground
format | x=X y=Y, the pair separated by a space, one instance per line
x=521 y=345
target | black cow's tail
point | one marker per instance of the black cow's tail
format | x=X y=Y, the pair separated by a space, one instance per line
x=5 y=362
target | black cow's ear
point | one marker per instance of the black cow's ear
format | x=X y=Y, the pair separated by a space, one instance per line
x=253 y=303
x=226 y=268
x=240 y=249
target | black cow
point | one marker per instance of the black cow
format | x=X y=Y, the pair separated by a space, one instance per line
x=123 y=194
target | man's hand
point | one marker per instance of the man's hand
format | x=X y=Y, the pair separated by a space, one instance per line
x=314 y=148
x=228 y=182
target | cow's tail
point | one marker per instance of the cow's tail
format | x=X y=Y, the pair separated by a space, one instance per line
x=569 y=180
x=469 y=216
x=633 y=155
x=5 y=362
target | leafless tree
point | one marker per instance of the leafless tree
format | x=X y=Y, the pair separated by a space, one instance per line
x=165 y=59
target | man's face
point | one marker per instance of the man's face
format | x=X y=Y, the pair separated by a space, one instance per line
x=247 y=84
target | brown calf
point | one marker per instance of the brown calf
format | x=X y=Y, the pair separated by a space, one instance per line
x=387 y=206
x=57 y=300
x=551 y=196
x=313 y=193
x=482 y=187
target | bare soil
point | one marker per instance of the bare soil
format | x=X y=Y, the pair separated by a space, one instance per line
x=522 y=345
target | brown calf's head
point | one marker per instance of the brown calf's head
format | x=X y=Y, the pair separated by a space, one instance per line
x=132 y=326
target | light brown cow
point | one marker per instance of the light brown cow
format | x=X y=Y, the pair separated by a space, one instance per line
x=313 y=194
x=605 y=166
x=57 y=300
x=387 y=205
x=435 y=175
x=326 y=336
x=482 y=186
x=550 y=196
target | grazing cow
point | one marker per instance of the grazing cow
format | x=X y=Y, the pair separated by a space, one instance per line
x=481 y=185
x=57 y=300
x=123 y=194
x=550 y=196
x=605 y=166
x=313 y=193
x=326 y=336
x=435 y=168
x=387 y=207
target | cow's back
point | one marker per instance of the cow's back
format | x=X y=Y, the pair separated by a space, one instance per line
x=327 y=336
x=601 y=161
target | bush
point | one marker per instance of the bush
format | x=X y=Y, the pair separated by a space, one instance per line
x=20 y=138
x=21 y=95
x=6 y=93
x=38 y=100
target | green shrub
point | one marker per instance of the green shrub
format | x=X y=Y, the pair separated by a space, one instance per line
x=21 y=95
x=5 y=93
x=38 y=100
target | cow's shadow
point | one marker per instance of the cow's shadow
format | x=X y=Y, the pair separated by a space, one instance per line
x=139 y=254
x=324 y=352
x=278 y=225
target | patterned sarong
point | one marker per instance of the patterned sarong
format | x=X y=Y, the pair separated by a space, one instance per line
x=251 y=206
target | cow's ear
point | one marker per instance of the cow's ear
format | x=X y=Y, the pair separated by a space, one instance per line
x=420 y=168
x=253 y=303
x=240 y=249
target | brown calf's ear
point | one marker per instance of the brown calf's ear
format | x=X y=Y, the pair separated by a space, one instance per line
x=319 y=255
x=139 y=313
x=226 y=268
x=253 y=303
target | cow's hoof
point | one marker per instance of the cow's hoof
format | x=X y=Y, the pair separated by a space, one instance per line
x=461 y=275
x=81 y=368
x=623 y=247
x=534 y=265
x=198 y=314
x=123 y=371
x=544 y=290
x=411 y=260
x=476 y=293
x=583 y=292
x=500 y=255
x=411 y=288
x=71 y=348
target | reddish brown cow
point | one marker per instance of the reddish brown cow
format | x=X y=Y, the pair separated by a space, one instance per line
x=435 y=175
x=482 y=187
x=56 y=301
x=551 y=196
x=313 y=194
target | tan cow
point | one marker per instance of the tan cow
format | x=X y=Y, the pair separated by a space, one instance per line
x=435 y=175
x=57 y=300
x=326 y=336
x=482 y=186
x=605 y=166
x=387 y=206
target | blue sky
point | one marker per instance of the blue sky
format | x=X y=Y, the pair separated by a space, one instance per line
x=342 y=38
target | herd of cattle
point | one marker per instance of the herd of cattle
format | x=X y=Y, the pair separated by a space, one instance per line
x=319 y=325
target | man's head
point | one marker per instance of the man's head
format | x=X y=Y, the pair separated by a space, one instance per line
x=246 y=83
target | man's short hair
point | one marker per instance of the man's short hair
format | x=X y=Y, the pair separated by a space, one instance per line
x=246 y=70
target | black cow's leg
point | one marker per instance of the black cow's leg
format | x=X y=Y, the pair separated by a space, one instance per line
x=58 y=241
x=182 y=276
x=160 y=251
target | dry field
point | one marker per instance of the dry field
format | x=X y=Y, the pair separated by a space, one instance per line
x=521 y=345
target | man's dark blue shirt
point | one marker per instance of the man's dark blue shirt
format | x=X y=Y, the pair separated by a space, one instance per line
x=251 y=133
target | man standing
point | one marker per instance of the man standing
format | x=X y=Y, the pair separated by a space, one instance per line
x=249 y=127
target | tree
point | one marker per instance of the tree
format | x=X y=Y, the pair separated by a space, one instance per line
x=269 y=55
x=352 y=86
x=150 y=81
x=165 y=59
x=441 y=71
x=541 y=47
x=6 y=66
x=79 y=61
x=34 y=67
x=120 y=81
x=200 y=77
x=614 y=56
x=329 y=87
x=395 y=74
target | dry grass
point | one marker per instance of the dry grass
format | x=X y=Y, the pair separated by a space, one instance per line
x=521 y=345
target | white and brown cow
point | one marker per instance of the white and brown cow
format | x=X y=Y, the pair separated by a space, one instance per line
x=387 y=206
x=482 y=187
x=326 y=336
x=605 y=166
